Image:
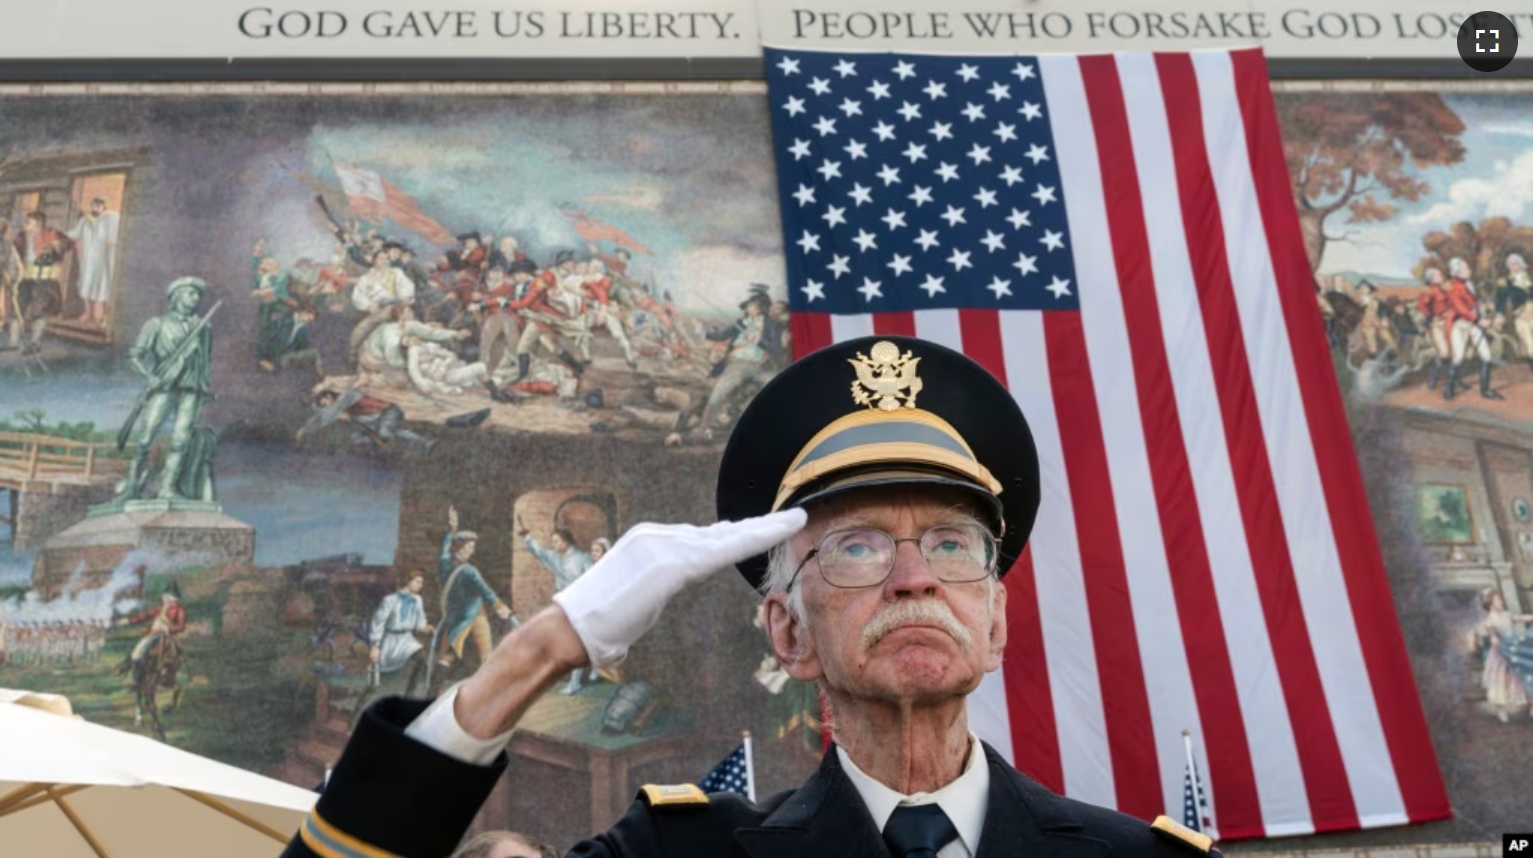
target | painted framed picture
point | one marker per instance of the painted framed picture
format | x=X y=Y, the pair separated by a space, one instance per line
x=1521 y=510
x=1442 y=514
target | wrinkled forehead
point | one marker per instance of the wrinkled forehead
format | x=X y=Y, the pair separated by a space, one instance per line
x=891 y=507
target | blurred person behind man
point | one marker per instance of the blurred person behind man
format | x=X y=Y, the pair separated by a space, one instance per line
x=504 y=844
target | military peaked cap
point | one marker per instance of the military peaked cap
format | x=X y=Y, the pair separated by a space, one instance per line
x=880 y=411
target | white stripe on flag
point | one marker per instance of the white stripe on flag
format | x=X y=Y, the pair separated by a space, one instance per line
x=940 y=326
x=1274 y=756
x=850 y=327
x=1306 y=521
x=1162 y=655
x=1074 y=684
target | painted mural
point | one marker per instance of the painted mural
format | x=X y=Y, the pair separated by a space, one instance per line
x=1418 y=217
x=312 y=399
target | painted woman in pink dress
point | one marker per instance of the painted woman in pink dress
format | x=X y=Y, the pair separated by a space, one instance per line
x=1508 y=655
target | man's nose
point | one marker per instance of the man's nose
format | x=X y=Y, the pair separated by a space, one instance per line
x=911 y=574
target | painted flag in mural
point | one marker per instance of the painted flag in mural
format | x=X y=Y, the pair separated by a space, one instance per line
x=377 y=199
x=1114 y=238
x=595 y=229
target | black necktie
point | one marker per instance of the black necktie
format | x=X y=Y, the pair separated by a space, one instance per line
x=919 y=831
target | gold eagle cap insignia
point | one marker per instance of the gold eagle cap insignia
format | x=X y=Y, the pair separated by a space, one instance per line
x=886 y=379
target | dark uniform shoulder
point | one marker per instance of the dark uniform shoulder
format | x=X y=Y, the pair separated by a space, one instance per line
x=1132 y=836
x=680 y=820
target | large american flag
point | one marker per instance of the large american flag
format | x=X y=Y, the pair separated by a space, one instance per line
x=1115 y=239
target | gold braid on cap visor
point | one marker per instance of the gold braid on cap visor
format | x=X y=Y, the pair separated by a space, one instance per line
x=907 y=436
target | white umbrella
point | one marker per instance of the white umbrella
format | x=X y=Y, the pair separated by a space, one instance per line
x=72 y=789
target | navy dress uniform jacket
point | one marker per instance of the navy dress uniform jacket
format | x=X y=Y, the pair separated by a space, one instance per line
x=392 y=796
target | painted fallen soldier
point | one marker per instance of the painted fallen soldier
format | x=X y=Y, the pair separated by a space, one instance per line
x=375 y=421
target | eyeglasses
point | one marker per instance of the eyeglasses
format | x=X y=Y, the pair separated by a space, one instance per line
x=853 y=559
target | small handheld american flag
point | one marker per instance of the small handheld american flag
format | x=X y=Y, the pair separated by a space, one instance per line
x=1194 y=802
x=733 y=774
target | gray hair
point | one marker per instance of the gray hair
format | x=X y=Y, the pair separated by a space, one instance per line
x=480 y=846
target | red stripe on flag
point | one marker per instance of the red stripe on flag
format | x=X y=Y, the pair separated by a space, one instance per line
x=895 y=324
x=1389 y=672
x=981 y=333
x=811 y=332
x=1029 y=699
x=1325 y=774
x=1125 y=700
x=1192 y=582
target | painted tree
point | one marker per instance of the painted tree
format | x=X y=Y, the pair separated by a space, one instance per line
x=1360 y=153
x=1484 y=246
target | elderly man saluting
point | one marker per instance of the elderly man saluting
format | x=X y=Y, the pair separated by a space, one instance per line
x=874 y=492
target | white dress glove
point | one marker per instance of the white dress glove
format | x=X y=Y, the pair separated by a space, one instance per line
x=620 y=598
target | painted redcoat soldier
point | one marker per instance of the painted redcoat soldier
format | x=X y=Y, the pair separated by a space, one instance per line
x=1466 y=330
x=1434 y=308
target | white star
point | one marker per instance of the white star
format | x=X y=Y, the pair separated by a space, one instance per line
x=838 y=265
x=856 y=149
x=860 y=194
x=850 y=107
x=829 y=169
x=979 y=153
x=909 y=111
x=1037 y=153
x=1011 y=175
x=804 y=195
x=788 y=65
x=825 y=125
x=928 y=239
x=1059 y=287
x=986 y=197
x=960 y=260
x=993 y=240
x=1044 y=195
x=1006 y=132
x=884 y=130
x=846 y=69
x=1052 y=240
x=1026 y=264
x=1030 y=111
x=1001 y=288
x=893 y=219
x=794 y=105
x=808 y=242
x=865 y=240
x=942 y=130
x=869 y=289
x=889 y=174
x=968 y=72
x=834 y=215
x=921 y=196
x=1019 y=219
x=999 y=91
x=904 y=69
x=933 y=285
x=947 y=172
x=915 y=153
x=878 y=89
x=973 y=112
x=799 y=149
x=1023 y=71
x=820 y=86
x=900 y=265
x=935 y=90
x=953 y=216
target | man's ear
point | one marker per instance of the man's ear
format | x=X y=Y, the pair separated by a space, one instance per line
x=791 y=641
x=997 y=628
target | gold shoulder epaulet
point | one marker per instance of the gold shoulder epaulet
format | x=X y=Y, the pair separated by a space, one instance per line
x=673 y=795
x=1171 y=828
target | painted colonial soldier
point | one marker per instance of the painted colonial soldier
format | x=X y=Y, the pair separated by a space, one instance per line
x=174 y=355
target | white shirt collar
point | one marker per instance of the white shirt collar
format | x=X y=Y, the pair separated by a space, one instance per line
x=964 y=800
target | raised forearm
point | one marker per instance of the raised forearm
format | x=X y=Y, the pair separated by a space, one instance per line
x=524 y=666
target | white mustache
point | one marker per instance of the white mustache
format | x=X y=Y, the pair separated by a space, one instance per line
x=906 y=613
